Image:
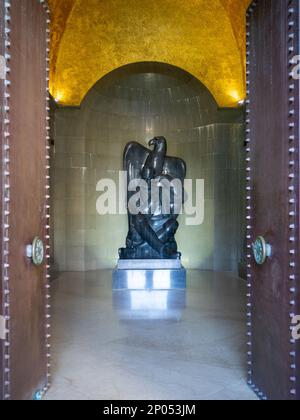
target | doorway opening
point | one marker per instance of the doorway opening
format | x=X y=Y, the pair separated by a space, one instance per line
x=133 y=341
x=137 y=103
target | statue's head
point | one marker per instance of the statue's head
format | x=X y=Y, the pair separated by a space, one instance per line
x=159 y=143
x=155 y=162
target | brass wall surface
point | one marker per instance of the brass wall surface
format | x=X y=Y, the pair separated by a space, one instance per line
x=60 y=10
x=91 y=38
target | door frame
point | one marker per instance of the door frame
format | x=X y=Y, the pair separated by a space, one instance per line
x=2 y=85
x=4 y=228
x=292 y=197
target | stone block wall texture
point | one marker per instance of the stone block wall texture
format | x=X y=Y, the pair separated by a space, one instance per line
x=136 y=103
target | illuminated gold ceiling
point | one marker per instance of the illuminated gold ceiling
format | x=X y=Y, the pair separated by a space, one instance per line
x=90 y=38
x=60 y=10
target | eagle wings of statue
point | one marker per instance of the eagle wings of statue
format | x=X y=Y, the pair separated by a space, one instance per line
x=152 y=230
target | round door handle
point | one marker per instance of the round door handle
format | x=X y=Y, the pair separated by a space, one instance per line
x=261 y=250
x=35 y=251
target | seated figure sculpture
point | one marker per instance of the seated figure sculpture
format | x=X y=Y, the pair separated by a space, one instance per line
x=153 y=223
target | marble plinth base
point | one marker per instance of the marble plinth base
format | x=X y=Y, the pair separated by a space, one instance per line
x=149 y=265
x=139 y=275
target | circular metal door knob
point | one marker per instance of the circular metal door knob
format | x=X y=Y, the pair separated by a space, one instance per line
x=261 y=250
x=36 y=251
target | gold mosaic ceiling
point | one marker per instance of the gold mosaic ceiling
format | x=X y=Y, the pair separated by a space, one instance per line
x=90 y=38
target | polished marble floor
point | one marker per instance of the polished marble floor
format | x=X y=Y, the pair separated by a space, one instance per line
x=140 y=344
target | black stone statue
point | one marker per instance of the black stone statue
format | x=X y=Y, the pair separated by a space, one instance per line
x=153 y=223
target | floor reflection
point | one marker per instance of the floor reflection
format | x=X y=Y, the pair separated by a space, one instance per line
x=149 y=304
x=96 y=356
x=148 y=295
x=140 y=280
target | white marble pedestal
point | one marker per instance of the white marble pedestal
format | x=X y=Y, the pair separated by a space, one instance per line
x=149 y=275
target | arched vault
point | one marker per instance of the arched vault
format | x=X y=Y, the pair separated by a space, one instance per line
x=90 y=38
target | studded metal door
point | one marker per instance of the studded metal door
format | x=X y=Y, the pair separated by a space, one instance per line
x=2 y=77
x=273 y=197
x=25 y=197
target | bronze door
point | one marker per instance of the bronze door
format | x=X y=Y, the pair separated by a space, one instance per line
x=2 y=76
x=24 y=44
x=273 y=197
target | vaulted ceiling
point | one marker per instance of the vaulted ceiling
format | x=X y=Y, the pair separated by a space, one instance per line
x=90 y=38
